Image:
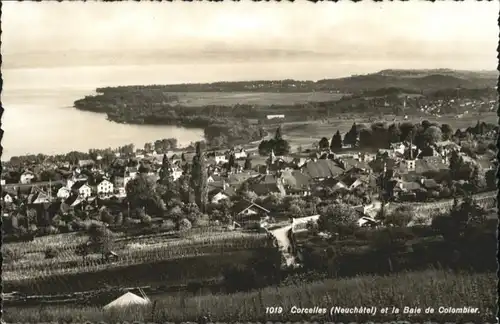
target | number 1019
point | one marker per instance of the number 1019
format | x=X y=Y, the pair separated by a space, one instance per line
x=274 y=310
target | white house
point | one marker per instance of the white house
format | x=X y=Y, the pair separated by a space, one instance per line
x=127 y=300
x=132 y=172
x=240 y=154
x=8 y=199
x=176 y=173
x=275 y=116
x=220 y=158
x=83 y=190
x=26 y=177
x=63 y=193
x=219 y=197
x=2 y=182
x=105 y=187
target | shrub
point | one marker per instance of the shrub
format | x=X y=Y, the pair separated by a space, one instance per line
x=11 y=255
x=184 y=225
x=168 y=225
x=50 y=253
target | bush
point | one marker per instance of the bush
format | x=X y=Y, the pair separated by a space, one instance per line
x=401 y=217
x=50 y=253
x=11 y=255
x=202 y=221
x=184 y=225
x=168 y=225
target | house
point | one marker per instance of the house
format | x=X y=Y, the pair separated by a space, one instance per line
x=214 y=178
x=121 y=182
x=321 y=169
x=367 y=221
x=220 y=158
x=429 y=184
x=63 y=193
x=266 y=184
x=251 y=209
x=296 y=183
x=85 y=163
x=398 y=147
x=299 y=224
x=38 y=198
x=219 y=194
x=82 y=189
x=131 y=171
x=7 y=198
x=126 y=300
x=240 y=154
x=27 y=177
x=350 y=163
x=275 y=117
x=105 y=187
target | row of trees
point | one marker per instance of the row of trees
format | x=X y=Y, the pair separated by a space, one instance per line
x=278 y=145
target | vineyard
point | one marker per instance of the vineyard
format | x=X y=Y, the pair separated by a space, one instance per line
x=151 y=250
x=177 y=271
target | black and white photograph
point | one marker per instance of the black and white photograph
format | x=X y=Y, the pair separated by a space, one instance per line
x=241 y=161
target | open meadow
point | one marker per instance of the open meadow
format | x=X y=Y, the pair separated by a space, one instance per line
x=305 y=133
x=431 y=288
x=201 y=99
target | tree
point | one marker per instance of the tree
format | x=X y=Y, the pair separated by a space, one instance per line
x=278 y=136
x=50 y=253
x=148 y=147
x=366 y=138
x=447 y=131
x=394 y=133
x=199 y=178
x=231 y=163
x=141 y=191
x=401 y=217
x=324 y=144
x=432 y=135
x=350 y=138
x=337 y=218
x=83 y=250
x=248 y=163
x=100 y=238
x=184 y=225
x=336 y=142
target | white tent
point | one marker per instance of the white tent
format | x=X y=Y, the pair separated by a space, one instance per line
x=127 y=299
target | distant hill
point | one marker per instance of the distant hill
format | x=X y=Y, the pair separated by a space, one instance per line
x=423 y=80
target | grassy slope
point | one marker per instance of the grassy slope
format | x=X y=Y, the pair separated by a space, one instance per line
x=431 y=288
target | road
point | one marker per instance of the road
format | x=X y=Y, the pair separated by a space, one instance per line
x=281 y=235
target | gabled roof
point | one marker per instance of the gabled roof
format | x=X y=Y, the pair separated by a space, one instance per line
x=127 y=299
x=321 y=169
x=250 y=205
x=77 y=185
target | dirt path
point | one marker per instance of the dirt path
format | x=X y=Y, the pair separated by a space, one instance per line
x=281 y=235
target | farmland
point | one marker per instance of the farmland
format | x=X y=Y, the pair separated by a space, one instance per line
x=34 y=274
x=201 y=99
x=430 y=288
x=302 y=133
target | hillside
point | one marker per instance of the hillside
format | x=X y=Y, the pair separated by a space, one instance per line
x=413 y=80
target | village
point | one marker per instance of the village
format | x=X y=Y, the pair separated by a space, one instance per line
x=350 y=174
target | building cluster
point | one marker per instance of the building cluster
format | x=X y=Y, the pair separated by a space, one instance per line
x=350 y=171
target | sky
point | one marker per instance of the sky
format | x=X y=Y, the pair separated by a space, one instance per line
x=51 y=33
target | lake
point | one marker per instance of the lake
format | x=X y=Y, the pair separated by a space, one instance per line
x=39 y=117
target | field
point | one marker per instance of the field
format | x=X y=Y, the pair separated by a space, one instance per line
x=305 y=133
x=431 y=288
x=200 y=99
x=206 y=252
